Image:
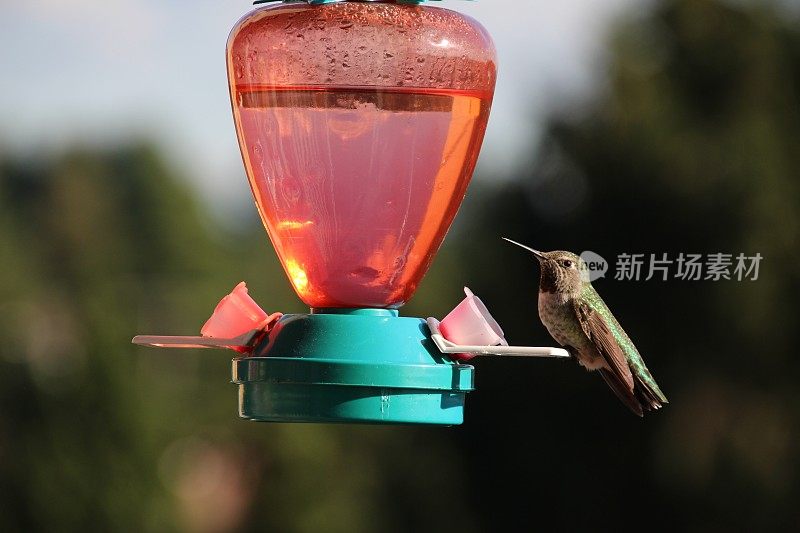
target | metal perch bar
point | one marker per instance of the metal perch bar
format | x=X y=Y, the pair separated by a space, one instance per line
x=179 y=341
x=445 y=346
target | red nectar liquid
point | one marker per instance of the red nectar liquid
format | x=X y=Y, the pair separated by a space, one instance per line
x=357 y=186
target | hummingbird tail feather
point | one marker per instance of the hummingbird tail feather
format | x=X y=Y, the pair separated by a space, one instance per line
x=649 y=396
x=622 y=391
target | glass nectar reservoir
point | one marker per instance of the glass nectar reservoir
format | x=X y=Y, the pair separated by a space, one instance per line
x=359 y=125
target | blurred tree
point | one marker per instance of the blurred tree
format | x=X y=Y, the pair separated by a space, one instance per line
x=691 y=147
x=96 y=434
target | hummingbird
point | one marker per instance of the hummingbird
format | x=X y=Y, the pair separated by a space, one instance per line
x=578 y=319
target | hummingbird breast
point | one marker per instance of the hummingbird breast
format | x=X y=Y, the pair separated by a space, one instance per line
x=558 y=316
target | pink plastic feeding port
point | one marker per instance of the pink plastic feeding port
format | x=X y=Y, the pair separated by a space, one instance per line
x=235 y=314
x=237 y=323
x=470 y=323
x=470 y=330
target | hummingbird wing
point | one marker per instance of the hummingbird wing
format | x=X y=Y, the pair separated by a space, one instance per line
x=618 y=374
x=619 y=351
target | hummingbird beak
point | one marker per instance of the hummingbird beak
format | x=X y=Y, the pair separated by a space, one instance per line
x=539 y=255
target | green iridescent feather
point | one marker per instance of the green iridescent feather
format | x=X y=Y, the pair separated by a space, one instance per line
x=592 y=299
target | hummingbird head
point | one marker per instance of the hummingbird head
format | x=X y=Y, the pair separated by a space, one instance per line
x=561 y=272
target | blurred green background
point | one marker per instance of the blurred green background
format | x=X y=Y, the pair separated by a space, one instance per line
x=689 y=142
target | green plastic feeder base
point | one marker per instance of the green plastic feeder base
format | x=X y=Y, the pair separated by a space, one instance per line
x=351 y=365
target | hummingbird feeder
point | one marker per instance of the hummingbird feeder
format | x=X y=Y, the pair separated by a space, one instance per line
x=359 y=124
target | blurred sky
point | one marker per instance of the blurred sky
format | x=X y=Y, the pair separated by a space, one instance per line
x=100 y=71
